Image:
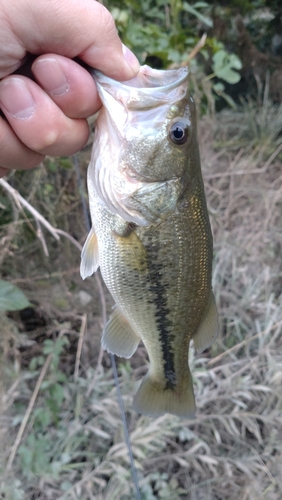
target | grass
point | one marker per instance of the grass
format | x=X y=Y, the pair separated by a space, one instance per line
x=72 y=446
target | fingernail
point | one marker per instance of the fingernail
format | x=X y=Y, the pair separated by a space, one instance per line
x=51 y=76
x=16 y=98
x=130 y=58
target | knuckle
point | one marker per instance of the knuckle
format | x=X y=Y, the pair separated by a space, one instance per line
x=45 y=141
x=71 y=137
x=107 y=25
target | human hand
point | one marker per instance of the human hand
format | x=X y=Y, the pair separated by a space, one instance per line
x=48 y=116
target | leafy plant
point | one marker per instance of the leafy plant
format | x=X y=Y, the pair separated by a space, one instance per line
x=36 y=455
x=164 y=33
x=163 y=30
x=53 y=386
x=12 y=490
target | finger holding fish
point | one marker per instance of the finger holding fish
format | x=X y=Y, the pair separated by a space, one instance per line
x=37 y=122
x=68 y=84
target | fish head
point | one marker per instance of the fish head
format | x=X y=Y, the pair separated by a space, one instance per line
x=145 y=134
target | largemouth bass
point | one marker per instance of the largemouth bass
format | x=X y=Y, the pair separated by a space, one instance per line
x=150 y=232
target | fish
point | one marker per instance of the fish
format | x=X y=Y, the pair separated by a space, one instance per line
x=151 y=234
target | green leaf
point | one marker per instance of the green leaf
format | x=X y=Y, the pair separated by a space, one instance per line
x=11 y=297
x=218 y=87
x=224 y=66
x=198 y=5
x=192 y=10
x=57 y=393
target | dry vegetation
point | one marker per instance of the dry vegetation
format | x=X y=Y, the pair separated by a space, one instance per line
x=72 y=447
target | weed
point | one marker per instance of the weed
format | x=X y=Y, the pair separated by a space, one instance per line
x=72 y=444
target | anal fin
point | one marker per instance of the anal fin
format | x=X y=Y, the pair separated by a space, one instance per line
x=208 y=329
x=89 y=256
x=118 y=336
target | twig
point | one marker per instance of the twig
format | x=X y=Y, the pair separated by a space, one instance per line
x=244 y=342
x=236 y=172
x=56 y=274
x=11 y=390
x=40 y=236
x=80 y=482
x=6 y=240
x=271 y=158
x=30 y=407
x=195 y=50
x=104 y=319
x=247 y=172
x=93 y=381
x=79 y=346
x=21 y=201
x=69 y=237
x=192 y=54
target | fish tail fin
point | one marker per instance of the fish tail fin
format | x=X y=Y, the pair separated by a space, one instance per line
x=154 y=399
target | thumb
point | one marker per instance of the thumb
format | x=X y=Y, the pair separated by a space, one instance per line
x=72 y=28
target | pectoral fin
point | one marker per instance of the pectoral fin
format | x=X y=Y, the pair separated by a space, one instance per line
x=89 y=256
x=118 y=337
x=208 y=329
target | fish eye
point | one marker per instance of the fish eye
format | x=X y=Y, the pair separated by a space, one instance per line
x=179 y=132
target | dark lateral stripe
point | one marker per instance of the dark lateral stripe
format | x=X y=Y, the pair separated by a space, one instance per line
x=158 y=287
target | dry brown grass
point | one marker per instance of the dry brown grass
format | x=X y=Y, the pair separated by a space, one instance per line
x=233 y=450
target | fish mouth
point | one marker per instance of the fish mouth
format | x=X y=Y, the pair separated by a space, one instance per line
x=128 y=108
x=149 y=78
x=149 y=88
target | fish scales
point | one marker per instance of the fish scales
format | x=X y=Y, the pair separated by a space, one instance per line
x=156 y=260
